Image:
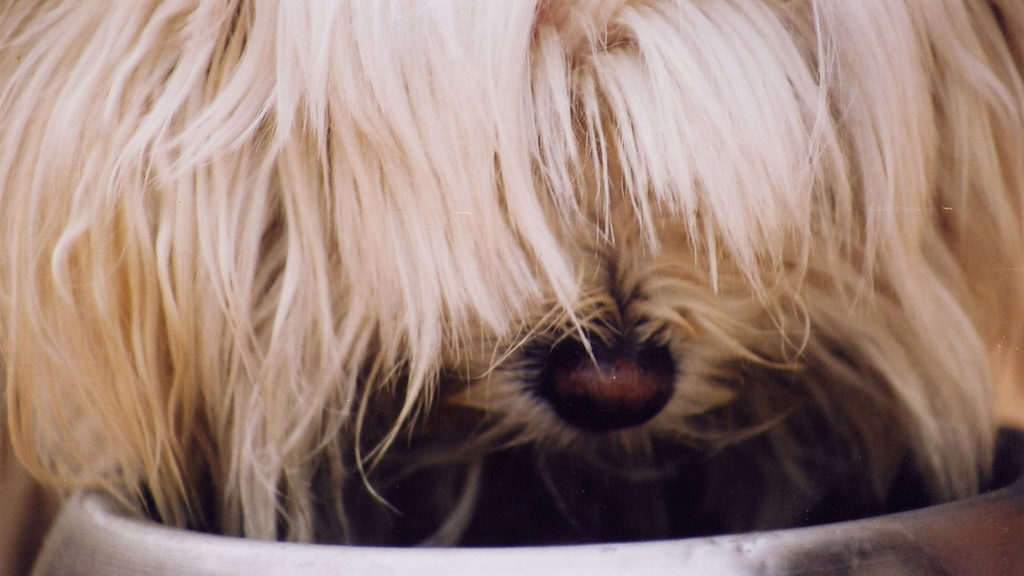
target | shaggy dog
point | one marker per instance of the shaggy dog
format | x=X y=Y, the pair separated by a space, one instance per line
x=489 y=273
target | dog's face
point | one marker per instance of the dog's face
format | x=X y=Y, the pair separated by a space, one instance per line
x=514 y=273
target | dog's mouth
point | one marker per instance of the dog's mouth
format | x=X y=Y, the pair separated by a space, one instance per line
x=568 y=501
x=522 y=497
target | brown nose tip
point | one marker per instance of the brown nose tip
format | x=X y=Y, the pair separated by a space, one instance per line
x=619 y=387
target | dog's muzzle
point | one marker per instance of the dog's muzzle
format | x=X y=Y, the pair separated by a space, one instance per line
x=607 y=387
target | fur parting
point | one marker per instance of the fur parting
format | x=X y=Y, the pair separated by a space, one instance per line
x=238 y=233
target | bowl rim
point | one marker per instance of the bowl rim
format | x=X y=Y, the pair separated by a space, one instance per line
x=979 y=535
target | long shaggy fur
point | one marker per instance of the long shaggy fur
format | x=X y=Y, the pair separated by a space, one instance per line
x=287 y=269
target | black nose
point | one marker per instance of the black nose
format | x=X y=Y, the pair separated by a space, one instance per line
x=621 y=386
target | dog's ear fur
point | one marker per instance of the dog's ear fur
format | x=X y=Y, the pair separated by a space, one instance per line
x=1004 y=311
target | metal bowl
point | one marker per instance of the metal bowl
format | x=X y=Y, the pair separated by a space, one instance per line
x=981 y=536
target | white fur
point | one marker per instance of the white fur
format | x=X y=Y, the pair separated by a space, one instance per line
x=233 y=229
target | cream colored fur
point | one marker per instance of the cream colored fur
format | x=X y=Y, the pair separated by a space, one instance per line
x=255 y=254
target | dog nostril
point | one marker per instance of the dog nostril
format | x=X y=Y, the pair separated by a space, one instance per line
x=618 y=388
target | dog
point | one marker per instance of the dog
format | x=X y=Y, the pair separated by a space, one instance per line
x=511 y=273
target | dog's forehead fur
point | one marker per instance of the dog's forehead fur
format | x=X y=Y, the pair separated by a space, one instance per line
x=231 y=226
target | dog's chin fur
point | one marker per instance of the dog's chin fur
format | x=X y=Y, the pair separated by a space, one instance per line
x=293 y=270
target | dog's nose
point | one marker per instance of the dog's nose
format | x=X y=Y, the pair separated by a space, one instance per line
x=619 y=386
